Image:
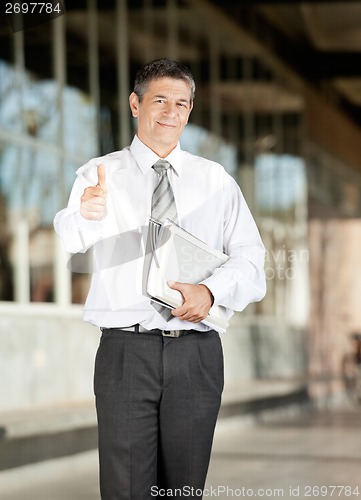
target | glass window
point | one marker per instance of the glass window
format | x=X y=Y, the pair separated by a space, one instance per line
x=201 y=142
x=80 y=127
x=10 y=97
x=37 y=170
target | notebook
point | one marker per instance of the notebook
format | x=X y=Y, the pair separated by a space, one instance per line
x=178 y=255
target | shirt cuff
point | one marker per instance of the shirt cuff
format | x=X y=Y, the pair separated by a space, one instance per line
x=89 y=230
x=219 y=287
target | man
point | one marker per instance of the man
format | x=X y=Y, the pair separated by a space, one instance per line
x=158 y=382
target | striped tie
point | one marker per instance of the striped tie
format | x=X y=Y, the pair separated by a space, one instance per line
x=163 y=202
x=163 y=207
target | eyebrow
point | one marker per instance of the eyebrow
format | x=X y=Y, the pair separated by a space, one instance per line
x=160 y=96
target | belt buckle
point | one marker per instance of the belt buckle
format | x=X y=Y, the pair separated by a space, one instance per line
x=171 y=333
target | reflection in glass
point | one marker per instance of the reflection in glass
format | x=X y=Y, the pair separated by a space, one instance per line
x=37 y=168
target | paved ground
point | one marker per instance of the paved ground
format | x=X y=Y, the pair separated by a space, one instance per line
x=310 y=456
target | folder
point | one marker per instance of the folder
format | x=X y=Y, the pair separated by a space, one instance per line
x=177 y=255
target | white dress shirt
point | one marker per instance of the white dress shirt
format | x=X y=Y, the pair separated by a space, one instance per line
x=210 y=205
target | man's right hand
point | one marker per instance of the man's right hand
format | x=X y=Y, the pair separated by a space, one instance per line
x=93 y=201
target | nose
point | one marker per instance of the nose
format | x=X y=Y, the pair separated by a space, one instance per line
x=170 y=109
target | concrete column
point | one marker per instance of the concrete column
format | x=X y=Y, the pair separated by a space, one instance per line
x=62 y=277
x=122 y=62
x=93 y=40
x=215 y=108
x=172 y=29
x=148 y=11
x=247 y=173
x=22 y=262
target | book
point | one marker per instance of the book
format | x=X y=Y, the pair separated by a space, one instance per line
x=177 y=255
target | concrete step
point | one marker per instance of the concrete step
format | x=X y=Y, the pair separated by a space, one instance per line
x=32 y=435
x=261 y=396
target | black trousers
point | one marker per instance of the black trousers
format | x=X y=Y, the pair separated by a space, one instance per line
x=157 y=402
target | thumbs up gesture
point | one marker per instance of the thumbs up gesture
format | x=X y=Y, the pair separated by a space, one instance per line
x=93 y=201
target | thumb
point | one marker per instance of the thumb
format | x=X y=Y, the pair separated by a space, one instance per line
x=175 y=285
x=101 y=177
x=180 y=287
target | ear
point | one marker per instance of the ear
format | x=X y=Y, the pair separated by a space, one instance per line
x=134 y=104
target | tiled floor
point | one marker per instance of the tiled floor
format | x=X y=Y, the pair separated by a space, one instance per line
x=313 y=456
x=309 y=456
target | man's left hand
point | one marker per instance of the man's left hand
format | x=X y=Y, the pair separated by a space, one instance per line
x=197 y=301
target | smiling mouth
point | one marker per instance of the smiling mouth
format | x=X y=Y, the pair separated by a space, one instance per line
x=166 y=125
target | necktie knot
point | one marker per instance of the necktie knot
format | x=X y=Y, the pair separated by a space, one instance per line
x=161 y=166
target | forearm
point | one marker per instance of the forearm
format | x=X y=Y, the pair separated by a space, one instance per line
x=77 y=233
x=240 y=281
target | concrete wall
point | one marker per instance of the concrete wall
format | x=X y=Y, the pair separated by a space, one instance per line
x=263 y=348
x=47 y=354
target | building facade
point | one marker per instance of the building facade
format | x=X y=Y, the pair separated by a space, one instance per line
x=64 y=87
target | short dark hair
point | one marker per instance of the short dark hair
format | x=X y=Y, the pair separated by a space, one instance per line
x=162 y=68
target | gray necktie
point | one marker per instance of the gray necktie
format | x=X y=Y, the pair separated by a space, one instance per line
x=163 y=207
x=163 y=202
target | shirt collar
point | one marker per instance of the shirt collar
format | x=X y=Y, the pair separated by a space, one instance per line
x=146 y=158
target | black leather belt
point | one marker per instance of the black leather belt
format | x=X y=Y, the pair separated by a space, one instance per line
x=140 y=329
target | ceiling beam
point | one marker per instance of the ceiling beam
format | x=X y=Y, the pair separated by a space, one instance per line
x=301 y=57
x=331 y=65
x=312 y=64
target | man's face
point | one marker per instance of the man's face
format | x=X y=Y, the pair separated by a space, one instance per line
x=162 y=114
